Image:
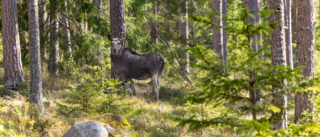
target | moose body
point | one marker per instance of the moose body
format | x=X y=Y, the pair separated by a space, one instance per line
x=130 y=65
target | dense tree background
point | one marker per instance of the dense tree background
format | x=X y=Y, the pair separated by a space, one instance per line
x=229 y=66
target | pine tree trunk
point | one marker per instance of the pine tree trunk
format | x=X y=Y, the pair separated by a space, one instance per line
x=13 y=72
x=118 y=26
x=289 y=58
x=225 y=46
x=191 y=24
x=35 y=62
x=217 y=40
x=251 y=5
x=305 y=53
x=288 y=33
x=67 y=29
x=98 y=4
x=258 y=20
x=183 y=29
x=154 y=25
x=54 y=39
x=278 y=51
x=294 y=20
x=42 y=21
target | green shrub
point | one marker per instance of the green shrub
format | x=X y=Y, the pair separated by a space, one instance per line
x=82 y=97
x=92 y=93
x=228 y=93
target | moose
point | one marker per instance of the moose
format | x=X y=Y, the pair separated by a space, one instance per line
x=129 y=65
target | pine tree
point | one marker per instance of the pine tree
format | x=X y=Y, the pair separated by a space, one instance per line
x=42 y=20
x=217 y=31
x=35 y=61
x=154 y=25
x=118 y=27
x=288 y=33
x=54 y=38
x=184 y=31
x=305 y=54
x=278 y=51
x=13 y=73
x=224 y=31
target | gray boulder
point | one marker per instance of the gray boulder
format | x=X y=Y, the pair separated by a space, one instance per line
x=87 y=129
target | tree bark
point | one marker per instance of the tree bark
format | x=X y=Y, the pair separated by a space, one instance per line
x=251 y=5
x=42 y=22
x=278 y=51
x=35 y=62
x=217 y=40
x=294 y=20
x=225 y=44
x=13 y=72
x=288 y=33
x=258 y=20
x=305 y=54
x=154 y=25
x=183 y=29
x=67 y=29
x=54 y=39
x=118 y=26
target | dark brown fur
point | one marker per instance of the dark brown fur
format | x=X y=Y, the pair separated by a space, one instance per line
x=131 y=65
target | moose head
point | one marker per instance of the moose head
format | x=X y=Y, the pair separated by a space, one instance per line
x=115 y=44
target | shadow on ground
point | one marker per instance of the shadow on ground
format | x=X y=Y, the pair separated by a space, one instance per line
x=166 y=94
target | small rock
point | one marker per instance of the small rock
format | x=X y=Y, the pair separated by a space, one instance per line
x=87 y=129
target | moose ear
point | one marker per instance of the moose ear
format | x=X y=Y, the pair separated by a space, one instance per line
x=109 y=36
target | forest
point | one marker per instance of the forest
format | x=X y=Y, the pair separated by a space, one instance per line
x=159 y=68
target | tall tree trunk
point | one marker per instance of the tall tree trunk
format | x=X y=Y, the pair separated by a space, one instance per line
x=154 y=25
x=98 y=4
x=192 y=12
x=252 y=6
x=289 y=58
x=278 y=51
x=288 y=33
x=258 y=20
x=305 y=54
x=118 y=26
x=35 y=62
x=294 y=20
x=224 y=42
x=42 y=22
x=217 y=40
x=13 y=72
x=183 y=29
x=254 y=94
x=67 y=29
x=54 y=39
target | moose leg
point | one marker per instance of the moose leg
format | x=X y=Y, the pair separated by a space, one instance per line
x=155 y=86
x=124 y=81
x=132 y=86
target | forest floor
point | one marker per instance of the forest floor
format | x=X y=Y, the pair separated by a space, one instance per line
x=146 y=117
